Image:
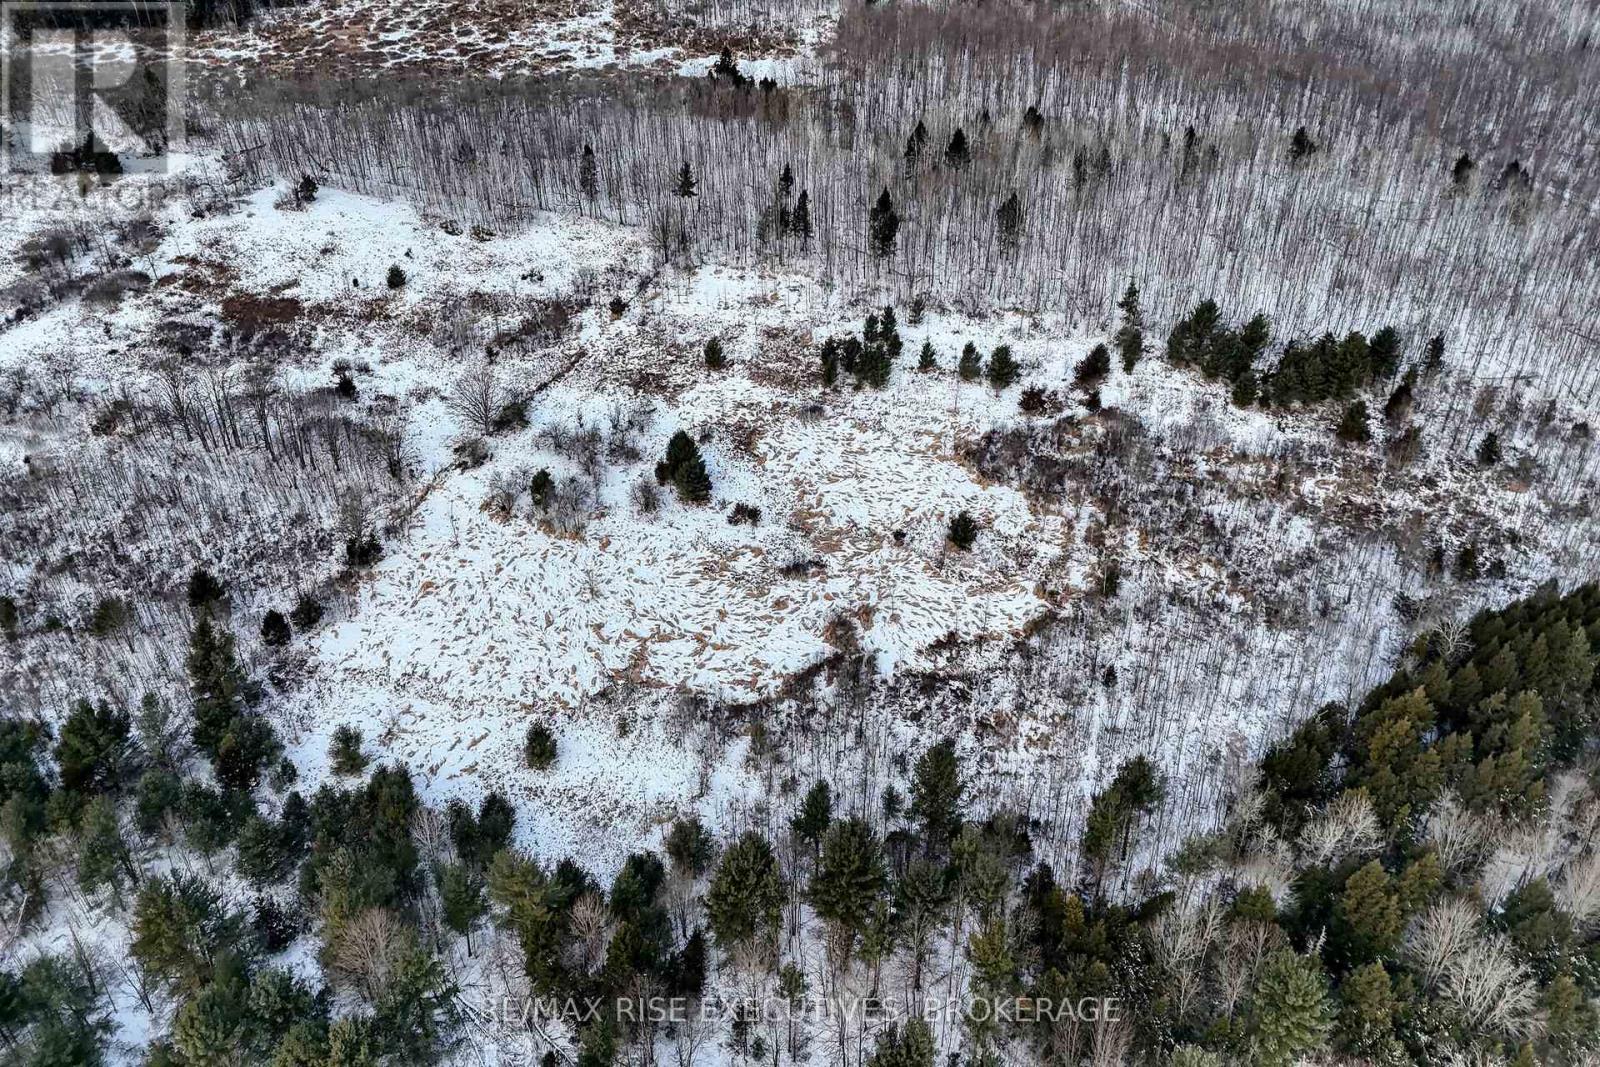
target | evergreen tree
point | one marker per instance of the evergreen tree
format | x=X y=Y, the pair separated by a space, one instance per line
x=1003 y=369
x=936 y=794
x=926 y=360
x=1301 y=146
x=1489 y=453
x=1093 y=368
x=850 y=877
x=746 y=893
x=1383 y=352
x=95 y=751
x=1008 y=218
x=588 y=174
x=1290 y=1015
x=307 y=612
x=1461 y=172
x=1246 y=390
x=1433 y=356
x=204 y=590
x=274 y=629
x=540 y=747
x=714 y=358
x=1367 y=920
x=685 y=469
x=883 y=226
x=690 y=847
x=103 y=855
x=956 y=153
x=461 y=898
x=1130 y=335
x=800 y=218
x=685 y=186
x=815 y=814
x=963 y=530
x=970 y=365
x=1354 y=426
x=344 y=751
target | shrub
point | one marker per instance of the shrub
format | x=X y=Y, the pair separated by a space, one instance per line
x=397 y=277
x=963 y=530
x=540 y=749
x=745 y=513
x=344 y=751
x=617 y=307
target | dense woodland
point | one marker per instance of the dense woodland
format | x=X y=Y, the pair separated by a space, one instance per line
x=1408 y=879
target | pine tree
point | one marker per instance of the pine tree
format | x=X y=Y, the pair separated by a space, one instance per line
x=1433 y=357
x=936 y=794
x=1383 y=353
x=690 y=847
x=1461 y=172
x=956 y=153
x=926 y=360
x=588 y=174
x=1130 y=335
x=1354 y=427
x=915 y=145
x=95 y=751
x=1009 y=220
x=1003 y=369
x=850 y=876
x=540 y=748
x=970 y=365
x=461 y=898
x=883 y=226
x=815 y=814
x=103 y=855
x=746 y=894
x=1290 y=1014
x=344 y=751
x=685 y=185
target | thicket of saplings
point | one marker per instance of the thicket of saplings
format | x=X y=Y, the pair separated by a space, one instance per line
x=1365 y=896
x=1036 y=182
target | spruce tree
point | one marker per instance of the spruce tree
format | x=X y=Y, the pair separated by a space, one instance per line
x=685 y=185
x=461 y=898
x=1301 y=146
x=956 y=153
x=1093 y=368
x=715 y=360
x=971 y=364
x=926 y=360
x=1003 y=369
x=95 y=751
x=204 y=589
x=963 y=530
